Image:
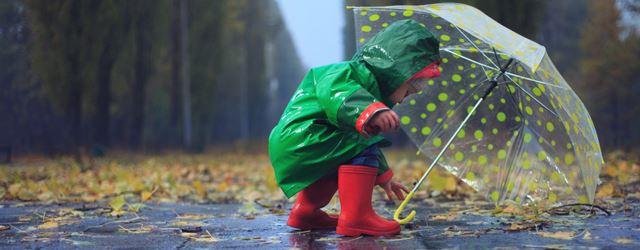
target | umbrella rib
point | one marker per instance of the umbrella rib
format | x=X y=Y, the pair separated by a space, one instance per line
x=474 y=45
x=533 y=97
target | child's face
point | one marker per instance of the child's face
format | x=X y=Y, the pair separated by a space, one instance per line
x=407 y=88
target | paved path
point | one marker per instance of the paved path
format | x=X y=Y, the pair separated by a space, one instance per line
x=171 y=226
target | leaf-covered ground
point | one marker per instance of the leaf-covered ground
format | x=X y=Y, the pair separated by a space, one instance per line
x=228 y=199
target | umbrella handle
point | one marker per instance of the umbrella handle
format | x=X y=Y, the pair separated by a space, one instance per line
x=409 y=218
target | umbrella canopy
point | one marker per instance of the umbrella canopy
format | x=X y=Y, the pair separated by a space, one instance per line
x=530 y=140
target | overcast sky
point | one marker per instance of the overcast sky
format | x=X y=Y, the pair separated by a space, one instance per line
x=316 y=27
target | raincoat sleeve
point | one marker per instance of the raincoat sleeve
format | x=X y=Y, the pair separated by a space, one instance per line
x=346 y=103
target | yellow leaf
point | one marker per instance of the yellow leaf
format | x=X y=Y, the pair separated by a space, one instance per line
x=145 y=195
x=623 y=240
x=562 y=235
x=448 y=216
x=48 y=224
x=117 y=203
x=605 y=191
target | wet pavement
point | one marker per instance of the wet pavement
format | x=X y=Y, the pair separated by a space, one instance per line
x=255 y=225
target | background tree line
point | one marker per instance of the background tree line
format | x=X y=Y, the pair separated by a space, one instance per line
x=147 y=74
x=595 y=44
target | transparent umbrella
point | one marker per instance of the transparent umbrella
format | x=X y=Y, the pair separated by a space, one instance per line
x=500 y=117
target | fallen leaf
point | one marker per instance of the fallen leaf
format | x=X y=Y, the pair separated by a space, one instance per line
x=117 y=203
x=624 y=241
x=48 y=225
x=448 y=216
x=562 y=235
x=3 y=227
x=587 y=236
x=145 y=195
x=605 y=191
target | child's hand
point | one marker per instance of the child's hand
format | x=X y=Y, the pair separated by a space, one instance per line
x=384 y=121
x=392 y=187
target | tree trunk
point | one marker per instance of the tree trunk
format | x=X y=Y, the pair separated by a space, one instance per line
x=141 y=74
x=186 y=86
x=176 y=67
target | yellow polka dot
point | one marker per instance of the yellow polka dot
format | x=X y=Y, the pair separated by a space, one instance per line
x=426 y=130
x=438 y=27
x=542 y=155
x=437 y=142
x=443 y=97
x=471 y=176
x=405 y=120
x=407 y=13
x=478 y=134
x=501 y=117
x=374 y=17
x=366 y=28
x=482 y=159
x=502 y=154
x=528 y=110
x=495 y=196
x=456 y=78
x=361 y=40
x=459 y=156
x=461 y=133
x=385 y=25
x=392 y=14
x=527 y=137
x=550 y=127
x=445 y=38
x=568 y=159
x=431 y=107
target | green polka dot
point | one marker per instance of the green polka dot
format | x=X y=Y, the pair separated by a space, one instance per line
x=495 y=196
x=456 y=78
x=461 y=133
x=482 y=159
x=536 y=91
x=501 y=117
x=483 y=120
x=494 y=131
x=392 y=14
x=374 y=17
x=471 y=176
x=426 y=130
x=528 y=110
x=550 y=127
x=527 y=137
x=478 y=134
x=405 y=120
x=366 y=28
x=503 y=101
x=439 y=120
x=413 y=130
x=431 y=107
x=459 y=156
x=542 y=155
x=443 y=97
x=445 y=60
x=490 y=147
x=460 y=67
x=412 y=102
x=568 y=159
x=452 y=103
x=491 y=106
x=407 y=13
x=445 y=38
x=462 y=91
x=526 y=164
x=502 y=154
x=444 y=83
x=423 y=115
x=472 y=76
x=438 y=27
x=385 y=24
x=437 y=142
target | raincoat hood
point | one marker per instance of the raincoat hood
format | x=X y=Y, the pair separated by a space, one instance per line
x=397 y=53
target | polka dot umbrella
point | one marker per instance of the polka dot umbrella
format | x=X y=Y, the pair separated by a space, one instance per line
x=500 y=117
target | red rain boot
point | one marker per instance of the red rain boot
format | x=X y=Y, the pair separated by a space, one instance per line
x=306 y=214
x=357 y=216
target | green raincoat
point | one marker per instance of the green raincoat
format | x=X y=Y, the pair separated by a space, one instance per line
x=323 y=125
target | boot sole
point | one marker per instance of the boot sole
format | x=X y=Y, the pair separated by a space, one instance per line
x=307 y=226
x=350 y=231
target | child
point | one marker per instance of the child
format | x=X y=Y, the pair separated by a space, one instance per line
x=327 y=139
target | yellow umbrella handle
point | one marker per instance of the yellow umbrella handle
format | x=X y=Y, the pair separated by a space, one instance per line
x=409 y=218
